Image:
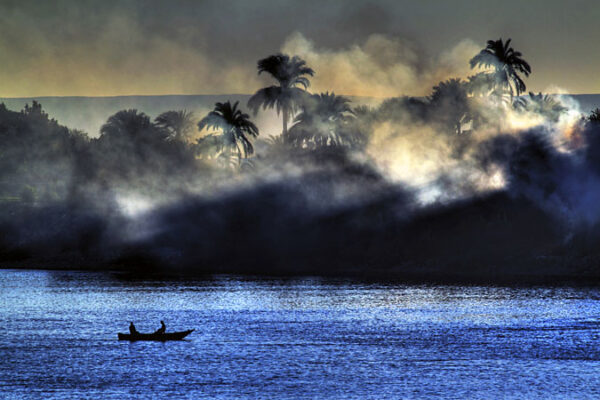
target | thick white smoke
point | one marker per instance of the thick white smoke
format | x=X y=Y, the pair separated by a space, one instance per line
x=381 y=66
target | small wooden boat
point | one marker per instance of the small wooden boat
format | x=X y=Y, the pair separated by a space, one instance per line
x=157 y=337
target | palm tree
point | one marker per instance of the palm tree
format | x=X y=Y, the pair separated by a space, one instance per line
x=126 y=124
x=594 y=116
x=543 y=104
x=397 y=109
x=506 y=62
x=276 y=143
x=480 y=84
x=287 y=95
x=208 y=146
x=323 y=121
x=131 y=146
x=234 y=125
x=449 y=104
x=178 y=124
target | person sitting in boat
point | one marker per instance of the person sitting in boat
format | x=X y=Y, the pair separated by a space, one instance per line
x=132 y=329
x=162 y=328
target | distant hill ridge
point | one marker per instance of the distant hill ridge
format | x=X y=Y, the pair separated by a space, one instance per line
x=89 y=113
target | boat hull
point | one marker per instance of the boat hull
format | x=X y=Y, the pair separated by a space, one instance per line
x=155 y=337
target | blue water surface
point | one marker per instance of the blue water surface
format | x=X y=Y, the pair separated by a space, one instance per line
x=294 y=339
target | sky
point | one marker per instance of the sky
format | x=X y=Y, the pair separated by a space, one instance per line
x=363 y=48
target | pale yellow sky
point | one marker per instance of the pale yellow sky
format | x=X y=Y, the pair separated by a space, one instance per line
x=365 y=48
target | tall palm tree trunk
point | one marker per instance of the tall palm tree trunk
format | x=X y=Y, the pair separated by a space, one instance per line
x=284 y=133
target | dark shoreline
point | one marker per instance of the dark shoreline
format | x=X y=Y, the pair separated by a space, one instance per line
x=393 y=278
x=490 y=240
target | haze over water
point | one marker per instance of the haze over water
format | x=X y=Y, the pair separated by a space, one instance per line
x=306 y=338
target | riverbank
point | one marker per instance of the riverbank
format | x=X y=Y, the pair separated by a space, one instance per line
x=494 y=239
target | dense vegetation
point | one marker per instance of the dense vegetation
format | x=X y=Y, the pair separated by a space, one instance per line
x=313 y=200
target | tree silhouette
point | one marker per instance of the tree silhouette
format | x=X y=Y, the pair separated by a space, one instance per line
x=361 y=127
x=38 y=155
x=543 y=104
x=35 y=111
x=398 y=108
x=126 y=124
x=506 y=62
x=480 y=84
x=208 y=146
x=323 y=121
x=131 y=147
x=235 y=127
x=449 y=104
x=594 y=116
x=178 y=124
x=285 y=97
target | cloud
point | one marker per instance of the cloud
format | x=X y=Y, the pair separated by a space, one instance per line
x=122 y=58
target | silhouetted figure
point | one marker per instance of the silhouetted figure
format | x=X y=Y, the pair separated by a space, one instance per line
x=162 y=328
x=132 y=329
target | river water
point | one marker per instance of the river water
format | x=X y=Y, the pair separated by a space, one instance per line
x=294 y=339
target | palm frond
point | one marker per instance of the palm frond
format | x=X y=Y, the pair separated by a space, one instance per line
x=213 y=121
x=266 y=98
x=126 y=123
x=178 y=124
x=234 y=124
x=507 y=63
x=485 y=59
